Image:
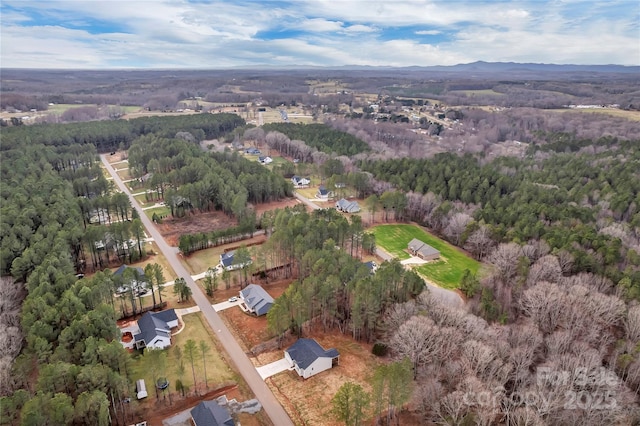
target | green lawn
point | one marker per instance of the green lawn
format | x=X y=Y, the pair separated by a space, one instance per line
x=447 y=272
x=201 y=260
x=160 y=211
x=218 y=371
x=479 y=92
x=60 y=108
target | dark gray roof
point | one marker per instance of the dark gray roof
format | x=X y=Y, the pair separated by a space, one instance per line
x=371 y=265
x=209 y=413
x=257 y=299
x=305 y=351
x=422 y=248
x=227 y=258
x=152 y=325
x=166 y=316
x=122 y=268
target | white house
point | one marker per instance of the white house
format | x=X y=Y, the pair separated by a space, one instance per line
x=256 y=299
x=155 y=329
x=138 y=283
x=300 y=182
x=308 y=358
x=265 y=160
x=323 y=193
x=226 y=260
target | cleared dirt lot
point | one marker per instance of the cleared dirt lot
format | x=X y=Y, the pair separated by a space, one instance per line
x=172 y=228
x=308 y=402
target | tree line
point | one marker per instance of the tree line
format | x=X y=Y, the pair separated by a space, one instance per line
x=111 y=135
x=321 y=137
x=72 y=366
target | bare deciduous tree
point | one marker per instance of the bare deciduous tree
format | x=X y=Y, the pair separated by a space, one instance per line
x=458 y=223
x=480 y=242
x=505 y=258
x=546 y=268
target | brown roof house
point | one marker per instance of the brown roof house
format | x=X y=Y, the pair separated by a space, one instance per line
x=423 y=250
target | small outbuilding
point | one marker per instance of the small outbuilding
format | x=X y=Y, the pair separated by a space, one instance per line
x=308 y=358
x=423 y=250
x=141 y=389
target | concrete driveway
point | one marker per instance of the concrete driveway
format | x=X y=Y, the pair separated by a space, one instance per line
x=274 y=368
x=225 y=305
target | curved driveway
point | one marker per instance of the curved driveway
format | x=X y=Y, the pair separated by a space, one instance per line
x=272 y=407
x=445 y=296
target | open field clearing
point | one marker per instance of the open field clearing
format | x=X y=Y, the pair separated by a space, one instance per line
x=308 y=401
x=162 y=212
x=446 y=272
x=615 y=112
x=201 y=260
x=490 y=92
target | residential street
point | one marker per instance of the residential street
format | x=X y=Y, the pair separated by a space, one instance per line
x=272 y=407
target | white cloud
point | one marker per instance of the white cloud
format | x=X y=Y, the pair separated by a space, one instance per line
x=172 y=33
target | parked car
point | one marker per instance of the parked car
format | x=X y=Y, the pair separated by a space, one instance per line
x=233 y=299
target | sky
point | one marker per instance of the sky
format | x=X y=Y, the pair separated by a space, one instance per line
x=217 y=34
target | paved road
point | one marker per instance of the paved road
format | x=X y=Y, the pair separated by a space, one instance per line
x=446 y=296
x=272 y=407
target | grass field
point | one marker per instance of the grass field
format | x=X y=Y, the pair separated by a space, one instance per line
x=447 y=272
x=60 y=108
x=201 y=260
x=218 y=371
x=479 y=92
x=629 y=115
x=160 y=211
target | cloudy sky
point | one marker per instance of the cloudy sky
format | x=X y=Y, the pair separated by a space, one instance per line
x=242 y=33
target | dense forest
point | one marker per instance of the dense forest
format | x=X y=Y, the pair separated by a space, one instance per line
x=321 y=137
x=72 y=365
x=332 y=287
x=59 y=216
x=584 y=204
x=111 y=135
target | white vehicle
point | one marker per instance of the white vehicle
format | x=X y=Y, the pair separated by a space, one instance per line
x=233 y=299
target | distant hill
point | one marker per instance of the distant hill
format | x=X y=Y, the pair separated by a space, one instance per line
x=493 y=67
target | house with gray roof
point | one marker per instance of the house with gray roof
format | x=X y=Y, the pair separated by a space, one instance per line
x=347 y=206
x=210 y=413
x=423 y=250
x=226 y=260
x=155 y=329
x=300 y=182
x=308 y=358
x=256 y=299
x=323 y=193
x=138 y=284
